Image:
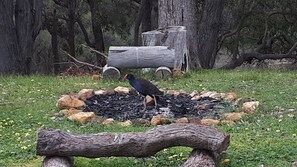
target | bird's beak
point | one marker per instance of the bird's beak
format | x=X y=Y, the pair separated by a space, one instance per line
x=125 y=77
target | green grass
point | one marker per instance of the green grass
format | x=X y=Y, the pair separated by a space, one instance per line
x=268 y=137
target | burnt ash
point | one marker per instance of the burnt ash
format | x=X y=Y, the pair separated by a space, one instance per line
x=130 y=106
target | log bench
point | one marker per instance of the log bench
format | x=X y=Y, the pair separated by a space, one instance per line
x=208 y=144
x=164 y=49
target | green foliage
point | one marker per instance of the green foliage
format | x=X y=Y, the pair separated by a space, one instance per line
x=266 y=138
x=253 y=14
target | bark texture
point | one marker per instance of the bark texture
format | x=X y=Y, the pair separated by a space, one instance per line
x=96 y=17
x=138 y=19
x=200 y=158
x=208 y=32
x=181 y=13
x=28 y=24
x=174 y=37
x=71 y=20
x=146 y=22
x=8 y=48
x=140 y=57
x=54 y=41
x=132 y=144
x=18 y=30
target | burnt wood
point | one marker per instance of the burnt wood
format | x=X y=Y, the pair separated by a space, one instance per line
x=132 y=144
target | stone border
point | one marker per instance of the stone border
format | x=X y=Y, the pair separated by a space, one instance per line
x=71 y=108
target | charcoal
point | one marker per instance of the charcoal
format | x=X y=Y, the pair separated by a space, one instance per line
x=123 y=107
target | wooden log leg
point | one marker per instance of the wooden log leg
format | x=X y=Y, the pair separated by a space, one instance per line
x=200 y=158
x=56 y=161
x=163 y=72
x=110 y=73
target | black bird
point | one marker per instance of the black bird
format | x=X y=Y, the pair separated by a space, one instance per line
x=144 y=87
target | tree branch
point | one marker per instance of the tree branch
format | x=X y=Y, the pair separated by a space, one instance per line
x=96 y=51
x=293 y=48
x=61 y=3
x=84 y=63
x=241 y=19
x=136 y=4
x=84 y=31
x=255 y=55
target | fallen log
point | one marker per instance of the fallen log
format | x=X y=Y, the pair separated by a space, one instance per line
x=140 y=57
x=132 y=144
x=172 y=37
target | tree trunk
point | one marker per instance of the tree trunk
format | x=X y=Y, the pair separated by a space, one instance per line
x=99 y=43
x=72 y=7
x=28 y=24
x=54 y=41
x=146 y=22
x=181 y=13
x=8 y=46
x=132 y=144
x=96 y=17
x=208 y=32
x=19 y=33
x=138 y=19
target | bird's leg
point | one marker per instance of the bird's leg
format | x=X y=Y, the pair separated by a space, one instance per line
x=155 y=102
x=144 y=103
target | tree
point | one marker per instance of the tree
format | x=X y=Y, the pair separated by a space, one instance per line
x=92 y=20
x=143 y=18
x=106 y=16
x=18 y=29
x=208 y=32
x=54 y=42
x=260 y=30
x=141 y=10
x=185 y=13
x=70 y=16
x=97 y=23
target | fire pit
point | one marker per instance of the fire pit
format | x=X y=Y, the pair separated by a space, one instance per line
x=126 y=107
x=121 y=107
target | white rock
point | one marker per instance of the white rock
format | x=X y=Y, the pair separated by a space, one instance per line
x=251 y=105
x=121 y=89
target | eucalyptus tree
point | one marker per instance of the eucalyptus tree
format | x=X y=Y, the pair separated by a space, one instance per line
x=107 y=15
x=20 y=22
x=202 y=20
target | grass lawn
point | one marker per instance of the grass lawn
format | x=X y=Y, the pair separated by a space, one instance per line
x=266 y=138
